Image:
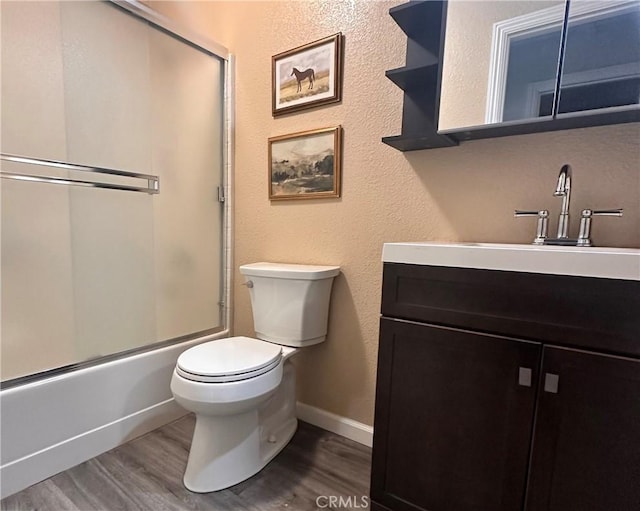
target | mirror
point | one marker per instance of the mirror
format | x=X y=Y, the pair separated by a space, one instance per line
x=495 y=54
x=501 y=60
x=601 y=67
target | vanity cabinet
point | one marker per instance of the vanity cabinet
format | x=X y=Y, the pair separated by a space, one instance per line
x=502 y=390
x=586 y=453
x=452 y=423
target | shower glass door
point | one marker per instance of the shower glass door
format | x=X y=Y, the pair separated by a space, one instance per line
x=93 y=272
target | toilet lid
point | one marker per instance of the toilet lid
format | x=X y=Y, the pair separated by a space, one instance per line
x=231 y=359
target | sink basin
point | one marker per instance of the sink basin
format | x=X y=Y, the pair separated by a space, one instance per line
x=599 y=262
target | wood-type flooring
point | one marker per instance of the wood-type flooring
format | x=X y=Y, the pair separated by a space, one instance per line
x=317 y=470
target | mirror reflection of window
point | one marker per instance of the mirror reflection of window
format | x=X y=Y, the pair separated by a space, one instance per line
x=497 y=52
x=523 y=71
x=602 y=56
x=531 y=75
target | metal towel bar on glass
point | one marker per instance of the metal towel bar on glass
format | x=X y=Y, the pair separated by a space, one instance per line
x=153 y=182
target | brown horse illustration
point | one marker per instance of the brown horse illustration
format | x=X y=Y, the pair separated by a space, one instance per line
x=301 y=75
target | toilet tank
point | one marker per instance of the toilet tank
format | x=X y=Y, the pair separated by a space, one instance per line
x=290 y=302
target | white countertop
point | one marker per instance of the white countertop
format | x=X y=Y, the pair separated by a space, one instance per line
x=600 y=262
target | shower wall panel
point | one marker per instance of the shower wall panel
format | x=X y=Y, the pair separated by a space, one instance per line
x=108 y=120
x=35 y=230
x=187 y=140
x=90 y=272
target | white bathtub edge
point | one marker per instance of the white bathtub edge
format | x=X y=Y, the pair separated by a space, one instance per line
x=24 y=472
x=51 y=425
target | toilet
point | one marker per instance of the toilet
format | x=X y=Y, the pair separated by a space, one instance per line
x=241 y=389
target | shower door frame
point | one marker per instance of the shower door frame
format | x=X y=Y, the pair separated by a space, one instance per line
x=215 y=50
x=55 y=420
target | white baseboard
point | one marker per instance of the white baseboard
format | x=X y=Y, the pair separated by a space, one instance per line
x=40 y=465
x=342 y=426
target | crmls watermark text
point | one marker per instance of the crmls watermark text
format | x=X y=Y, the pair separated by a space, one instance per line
x=339 y=501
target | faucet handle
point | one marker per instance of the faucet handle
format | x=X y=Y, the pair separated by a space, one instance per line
x=542 y=226
x=603 y=212
x=584 y=238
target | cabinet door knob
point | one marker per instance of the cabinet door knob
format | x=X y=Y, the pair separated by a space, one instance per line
x=551 y=383
x=524 y=376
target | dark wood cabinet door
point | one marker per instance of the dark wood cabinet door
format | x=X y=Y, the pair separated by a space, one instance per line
x=453 y=419
x=586 y=454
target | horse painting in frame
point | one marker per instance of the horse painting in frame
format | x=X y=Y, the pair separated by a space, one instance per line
x=307 y=76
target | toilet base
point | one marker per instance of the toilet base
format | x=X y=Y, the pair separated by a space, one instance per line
x=226 y=450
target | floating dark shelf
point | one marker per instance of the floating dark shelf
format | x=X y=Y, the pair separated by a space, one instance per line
x=413 y=78
x=423 y=22
x=602 y=117
x=415 y=142
x=412 y=17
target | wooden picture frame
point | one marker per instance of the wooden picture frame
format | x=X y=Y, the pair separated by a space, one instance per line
x=305 y=165
x=307 y=76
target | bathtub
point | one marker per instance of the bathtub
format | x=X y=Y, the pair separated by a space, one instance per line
x=54 y=424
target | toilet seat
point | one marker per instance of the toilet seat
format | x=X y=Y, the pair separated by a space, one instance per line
x=228 y=360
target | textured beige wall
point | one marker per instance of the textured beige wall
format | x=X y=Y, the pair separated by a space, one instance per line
x=463 y=193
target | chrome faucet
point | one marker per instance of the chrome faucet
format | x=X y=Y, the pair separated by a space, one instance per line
x=564 y=190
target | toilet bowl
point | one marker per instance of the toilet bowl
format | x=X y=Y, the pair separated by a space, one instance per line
x=241 y=424
x=241 y=389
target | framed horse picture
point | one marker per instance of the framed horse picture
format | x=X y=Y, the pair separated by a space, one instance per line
x=305 y=165
x=307 y=76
